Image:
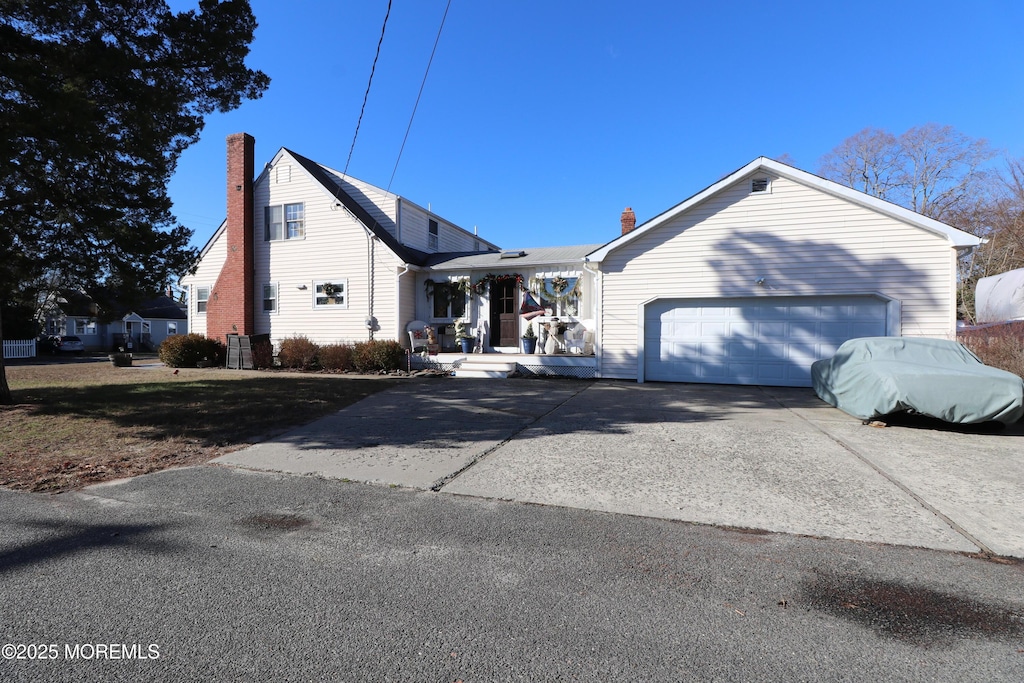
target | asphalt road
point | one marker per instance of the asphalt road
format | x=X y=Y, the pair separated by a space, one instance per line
x=231 y=575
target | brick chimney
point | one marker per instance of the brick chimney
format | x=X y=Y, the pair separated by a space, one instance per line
x=231 y=307
x=628 y=220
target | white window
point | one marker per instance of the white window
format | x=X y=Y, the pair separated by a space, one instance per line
x=330 y=294
x=270 y=298
x=83 y=326
x=284 y=222
x=202 y=297
x=432 y=233
x=172 y=328
x=561 y=295
x=146 y=327
x=449 y=301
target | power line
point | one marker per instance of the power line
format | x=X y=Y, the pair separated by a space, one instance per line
x=419 y=95
x=366 y=96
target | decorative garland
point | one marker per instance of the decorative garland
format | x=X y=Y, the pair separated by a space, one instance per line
x=559 y=291
x=483 y=284
x=462 y=284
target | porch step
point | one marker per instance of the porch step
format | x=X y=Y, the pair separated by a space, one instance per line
x=479 y=367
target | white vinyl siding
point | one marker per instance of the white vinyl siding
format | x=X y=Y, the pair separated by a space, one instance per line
x=206 y=274
x=797 y=240
x=335 y=246
x=416 y=232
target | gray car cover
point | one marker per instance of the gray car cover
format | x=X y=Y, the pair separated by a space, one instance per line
x=875 y=376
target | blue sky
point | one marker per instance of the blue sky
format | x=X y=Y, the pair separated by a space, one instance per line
x=541 y=120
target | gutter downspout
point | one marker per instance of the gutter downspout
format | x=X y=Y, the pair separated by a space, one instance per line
x=398 y=302
x=598 y=288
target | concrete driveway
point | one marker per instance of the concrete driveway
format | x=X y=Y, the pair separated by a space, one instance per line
x=761 y=458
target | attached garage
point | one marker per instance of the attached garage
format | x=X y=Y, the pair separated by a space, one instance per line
x=769 y=269
x=769 y=341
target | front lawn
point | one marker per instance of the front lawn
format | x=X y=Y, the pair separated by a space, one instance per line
x=83 y=421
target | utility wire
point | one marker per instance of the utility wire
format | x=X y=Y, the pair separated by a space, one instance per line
x=419 y=95
x=367 y=95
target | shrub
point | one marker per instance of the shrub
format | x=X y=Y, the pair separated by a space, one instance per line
x=336 y=357
x=187 y=350
x=298 y=352
x=1001 y=346
x=263 y=354
x=375 y=355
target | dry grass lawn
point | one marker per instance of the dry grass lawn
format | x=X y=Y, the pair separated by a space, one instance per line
x=82 y=421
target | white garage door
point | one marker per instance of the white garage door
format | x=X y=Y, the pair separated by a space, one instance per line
x=766 y=341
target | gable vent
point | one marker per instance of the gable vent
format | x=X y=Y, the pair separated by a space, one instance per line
x=759 y=185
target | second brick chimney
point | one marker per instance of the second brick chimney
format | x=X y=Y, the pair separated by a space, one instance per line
x=231 y=307
x=628 y=220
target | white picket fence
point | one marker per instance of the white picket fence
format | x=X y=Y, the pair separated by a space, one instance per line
x=19 y=348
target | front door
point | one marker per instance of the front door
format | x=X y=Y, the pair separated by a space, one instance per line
x=504 y=321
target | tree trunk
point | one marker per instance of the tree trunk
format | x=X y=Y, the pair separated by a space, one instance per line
x=5 y=391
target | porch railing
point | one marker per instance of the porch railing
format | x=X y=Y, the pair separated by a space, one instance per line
x=19 y=348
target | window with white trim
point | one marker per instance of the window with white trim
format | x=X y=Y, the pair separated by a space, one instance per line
x=270 y=297
x=561 y=295
x=83 y=326
x=284 y=222
x=202 y=297
x=432 y=235
x=330 y=294
x=172 y=328
x=449 y=301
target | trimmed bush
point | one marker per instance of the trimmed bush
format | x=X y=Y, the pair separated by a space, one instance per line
x=376 y=355
x=187 y=350
x=336 y=357
x=1001 y=346
x=299 y=353
x=263 y=354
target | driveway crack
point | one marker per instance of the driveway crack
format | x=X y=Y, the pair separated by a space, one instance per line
x=448 y=478
x=888 y=476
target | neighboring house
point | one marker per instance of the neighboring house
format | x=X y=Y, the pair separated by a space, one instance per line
x=748 y=281
x=146 y=324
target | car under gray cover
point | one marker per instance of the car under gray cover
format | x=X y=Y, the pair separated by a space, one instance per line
x=872 y=377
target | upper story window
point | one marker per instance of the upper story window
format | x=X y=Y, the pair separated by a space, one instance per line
x=432 y=233
x=284 y=222
x=202 y=297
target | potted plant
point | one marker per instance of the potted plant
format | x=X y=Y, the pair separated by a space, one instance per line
x=465 y=339
x=529 y=339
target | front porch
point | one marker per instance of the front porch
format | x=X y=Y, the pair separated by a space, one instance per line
x=499 y=365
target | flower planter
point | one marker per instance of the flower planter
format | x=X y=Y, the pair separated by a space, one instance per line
x=467 y=344
x=529 y=344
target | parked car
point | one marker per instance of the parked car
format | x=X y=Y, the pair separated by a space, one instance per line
x=67 y=343
x=873 y=377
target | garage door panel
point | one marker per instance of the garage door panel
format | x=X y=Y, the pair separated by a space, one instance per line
x=753 y=341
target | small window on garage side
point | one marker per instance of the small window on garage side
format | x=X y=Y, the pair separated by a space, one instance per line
x=759 y=185
x=172 y=328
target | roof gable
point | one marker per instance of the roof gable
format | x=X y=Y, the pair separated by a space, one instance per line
x=956 y=238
